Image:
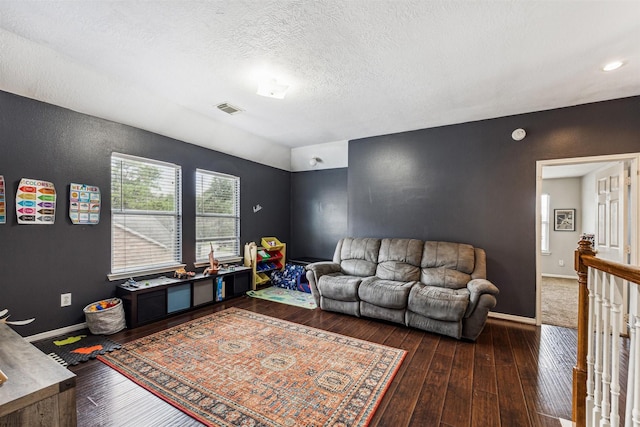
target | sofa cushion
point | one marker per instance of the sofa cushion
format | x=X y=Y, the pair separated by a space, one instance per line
x=359 y=256
x=339 y=287
x=438 y=303
x=384 y=313
x=444 y=278
x=347 y=307
x=399 y=259
x=385 y=293
x=452 y=329
x=447 y=264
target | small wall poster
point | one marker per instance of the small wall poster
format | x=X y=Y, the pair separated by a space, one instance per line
x=35 y=202
x=3 y=204
x=84 y=204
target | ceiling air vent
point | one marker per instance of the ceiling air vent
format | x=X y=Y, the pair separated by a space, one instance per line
x=228 y=108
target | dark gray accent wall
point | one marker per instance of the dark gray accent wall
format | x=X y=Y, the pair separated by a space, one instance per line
x=469 y=183
x=472 y=183
x=39 y=262
x=318 y=213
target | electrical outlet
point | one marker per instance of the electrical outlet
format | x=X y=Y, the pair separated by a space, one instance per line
x=65 y=300
x=561 y=262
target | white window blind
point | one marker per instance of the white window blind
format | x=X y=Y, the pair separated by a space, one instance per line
x=544 y=229
x=217 y=215
x=146 y=232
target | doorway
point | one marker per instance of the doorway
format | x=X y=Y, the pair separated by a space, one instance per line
x=575 y=175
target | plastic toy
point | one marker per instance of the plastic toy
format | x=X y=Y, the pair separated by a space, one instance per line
x=103 y=305
x=214 y=265
x=181 y=273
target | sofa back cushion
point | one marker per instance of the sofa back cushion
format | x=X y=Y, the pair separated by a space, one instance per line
x=399 y=259
x=447 y=264
x=358 y=256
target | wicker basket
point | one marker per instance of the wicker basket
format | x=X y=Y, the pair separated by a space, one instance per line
x=107 y=321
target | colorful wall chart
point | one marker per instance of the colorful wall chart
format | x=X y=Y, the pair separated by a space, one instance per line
x=35 y=202
x=3 y=204
x=84 y=204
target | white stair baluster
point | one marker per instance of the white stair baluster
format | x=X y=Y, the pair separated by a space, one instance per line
x=616 y=342
x=633 y=388
x=597 y=365
x=631 y=379
x=606 y=352
x=592 y=278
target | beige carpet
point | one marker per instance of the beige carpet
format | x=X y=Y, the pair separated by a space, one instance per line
x=560 y=302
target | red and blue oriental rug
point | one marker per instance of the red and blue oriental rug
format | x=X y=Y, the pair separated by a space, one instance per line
x=236 y=367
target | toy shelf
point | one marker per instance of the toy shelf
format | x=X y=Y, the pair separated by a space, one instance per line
x=264 y=259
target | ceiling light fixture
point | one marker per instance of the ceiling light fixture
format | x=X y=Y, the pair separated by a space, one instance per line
x=613 y=65
x=271 y=89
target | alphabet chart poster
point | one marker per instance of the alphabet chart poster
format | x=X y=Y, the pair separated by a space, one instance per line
x=35 y=202
x=84 y=204
x=3 y=204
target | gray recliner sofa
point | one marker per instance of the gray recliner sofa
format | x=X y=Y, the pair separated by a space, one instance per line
x=440 y=287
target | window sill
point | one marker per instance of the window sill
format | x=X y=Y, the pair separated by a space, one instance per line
x=543 y=253
x=139 y=273
x=225 y=260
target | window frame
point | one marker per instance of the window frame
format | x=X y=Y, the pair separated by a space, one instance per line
x=176 y=215
x=199 y=262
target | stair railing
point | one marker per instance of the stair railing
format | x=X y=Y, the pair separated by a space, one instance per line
x=601 y=316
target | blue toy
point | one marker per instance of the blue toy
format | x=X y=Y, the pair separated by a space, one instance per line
x=292 y=277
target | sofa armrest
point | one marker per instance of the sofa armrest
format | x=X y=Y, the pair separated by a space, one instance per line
x=323 y=267
x=477 y=288
x=315 y=271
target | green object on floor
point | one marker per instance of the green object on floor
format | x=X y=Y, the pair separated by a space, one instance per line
x=79 y=346
x=70 y=340
x=285 y=296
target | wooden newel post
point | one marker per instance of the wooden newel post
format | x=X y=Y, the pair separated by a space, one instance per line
x=580 y=370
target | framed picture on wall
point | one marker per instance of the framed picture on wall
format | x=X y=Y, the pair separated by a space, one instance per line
x=565 y=220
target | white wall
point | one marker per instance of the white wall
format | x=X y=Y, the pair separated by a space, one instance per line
x=565 y=193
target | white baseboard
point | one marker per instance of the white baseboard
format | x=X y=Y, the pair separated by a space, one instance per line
x=512 y=318
x=561 y=276
x=56 y=332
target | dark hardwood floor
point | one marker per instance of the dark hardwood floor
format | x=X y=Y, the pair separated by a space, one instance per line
x=514 y=375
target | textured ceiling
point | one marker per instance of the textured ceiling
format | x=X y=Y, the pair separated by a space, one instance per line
x=355 y=68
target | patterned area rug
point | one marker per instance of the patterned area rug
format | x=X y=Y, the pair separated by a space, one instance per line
x=240 y=368
x=285 y=296
x=76 y=347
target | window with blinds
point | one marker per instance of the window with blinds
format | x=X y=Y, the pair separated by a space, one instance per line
x=217 y=215
x=146 y=234
x=544 y=223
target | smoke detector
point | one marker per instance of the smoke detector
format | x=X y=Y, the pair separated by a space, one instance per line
x=518 y=134
x=228 y=108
